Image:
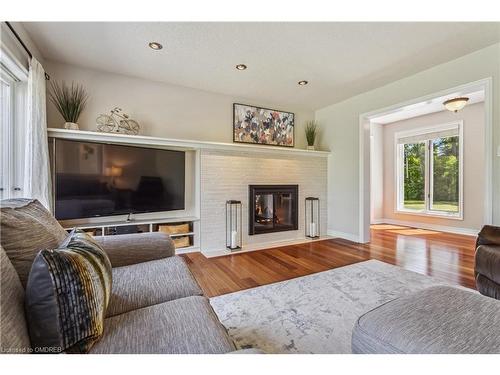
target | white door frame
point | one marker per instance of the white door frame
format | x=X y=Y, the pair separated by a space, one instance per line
x=364 y=150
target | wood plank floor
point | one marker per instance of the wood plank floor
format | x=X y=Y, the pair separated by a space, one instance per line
x=446 y=256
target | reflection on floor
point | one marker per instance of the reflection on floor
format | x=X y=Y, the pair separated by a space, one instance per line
x=446 y=256
x=397 y=229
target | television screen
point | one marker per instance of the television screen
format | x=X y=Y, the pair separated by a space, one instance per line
x=97 y=179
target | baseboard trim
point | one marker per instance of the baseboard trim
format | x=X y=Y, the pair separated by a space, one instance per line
x=439 y=228
x=346 y=236
x=260 y=246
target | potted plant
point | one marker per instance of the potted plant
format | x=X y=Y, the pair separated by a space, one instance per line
x=70 y=101
x=311 y=133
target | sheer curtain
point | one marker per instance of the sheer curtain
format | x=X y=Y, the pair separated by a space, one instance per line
x=37 y=181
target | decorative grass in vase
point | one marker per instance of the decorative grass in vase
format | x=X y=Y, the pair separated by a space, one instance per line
x=311 y=133
x=70 y=101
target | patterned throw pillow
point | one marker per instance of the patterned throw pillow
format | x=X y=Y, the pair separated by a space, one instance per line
x=67 y=294
x=26 y=228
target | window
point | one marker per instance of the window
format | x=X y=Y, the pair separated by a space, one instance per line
x=12 y=120
x=429 y=171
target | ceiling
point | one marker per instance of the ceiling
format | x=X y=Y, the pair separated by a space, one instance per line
x=429 y=106
x=339 y=60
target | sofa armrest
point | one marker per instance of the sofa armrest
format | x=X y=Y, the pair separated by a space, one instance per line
x=127 y=249
x=489 y=235
x=487 y=262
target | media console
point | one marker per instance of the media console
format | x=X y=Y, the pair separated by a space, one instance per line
x=185 y=240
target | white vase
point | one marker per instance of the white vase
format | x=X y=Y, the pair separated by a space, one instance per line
x=71 y=126
x=310 y=148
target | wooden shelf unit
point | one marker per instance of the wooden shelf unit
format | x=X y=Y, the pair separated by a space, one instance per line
x=114 y=228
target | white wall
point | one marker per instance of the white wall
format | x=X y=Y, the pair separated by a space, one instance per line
x=340 y=128
x=473 y=155
x=377 y=172
x=162 y=109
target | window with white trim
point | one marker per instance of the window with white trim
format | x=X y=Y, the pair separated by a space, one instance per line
x=429 y=171
x=12 y=126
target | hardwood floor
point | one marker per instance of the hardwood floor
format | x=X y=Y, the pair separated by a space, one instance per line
x=446 y=256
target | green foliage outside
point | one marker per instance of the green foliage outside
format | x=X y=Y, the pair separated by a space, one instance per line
x=445 y=155
x=414 y=172
x=445 y=175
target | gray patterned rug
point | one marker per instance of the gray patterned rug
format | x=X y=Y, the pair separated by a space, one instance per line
x=315 y=313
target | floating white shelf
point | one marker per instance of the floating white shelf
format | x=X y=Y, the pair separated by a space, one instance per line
x=178 y=144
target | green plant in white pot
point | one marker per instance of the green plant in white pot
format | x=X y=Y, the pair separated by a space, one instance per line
x=311 y=133
x=70 y=101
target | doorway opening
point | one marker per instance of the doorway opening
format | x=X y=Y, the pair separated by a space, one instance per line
x=424 y=166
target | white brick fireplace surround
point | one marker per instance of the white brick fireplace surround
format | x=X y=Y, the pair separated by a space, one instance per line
x=225 y=175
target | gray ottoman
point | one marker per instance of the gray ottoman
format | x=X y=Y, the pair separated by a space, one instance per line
x=439 y=319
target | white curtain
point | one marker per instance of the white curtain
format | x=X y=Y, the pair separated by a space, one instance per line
x=37 y=181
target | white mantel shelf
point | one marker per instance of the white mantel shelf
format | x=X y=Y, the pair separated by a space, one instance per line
x=179 y=144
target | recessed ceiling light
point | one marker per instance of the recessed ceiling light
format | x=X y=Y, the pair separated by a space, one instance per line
x=302 y=83
x=155 y=45
x=241 y=66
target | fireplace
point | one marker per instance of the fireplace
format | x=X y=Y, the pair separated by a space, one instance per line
x=272 y=208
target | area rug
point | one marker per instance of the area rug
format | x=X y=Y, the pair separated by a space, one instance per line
x=314 y=313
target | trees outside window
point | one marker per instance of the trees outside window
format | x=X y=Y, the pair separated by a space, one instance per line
x=445 y=174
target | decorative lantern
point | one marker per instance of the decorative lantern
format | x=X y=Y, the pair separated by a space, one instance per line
x=233 y=225
x=311 y=214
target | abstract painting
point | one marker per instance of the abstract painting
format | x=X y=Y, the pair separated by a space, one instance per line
x=262 y=126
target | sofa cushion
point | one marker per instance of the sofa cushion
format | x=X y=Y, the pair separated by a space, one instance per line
x=67 y=294
x=26 y=228
x=489 y=235
x=439 y=319
x=145 y=284
x=186 y=325
x=13 y=330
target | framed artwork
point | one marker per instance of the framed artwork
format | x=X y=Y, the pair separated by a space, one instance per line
x=263 y=126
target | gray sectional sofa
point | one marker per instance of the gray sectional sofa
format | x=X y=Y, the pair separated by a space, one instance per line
x=156 y=304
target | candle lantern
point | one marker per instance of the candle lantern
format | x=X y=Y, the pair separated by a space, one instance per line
x=233 y=225
x=312 y=217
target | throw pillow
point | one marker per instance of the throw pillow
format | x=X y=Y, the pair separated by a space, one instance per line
x=26 y=228
x=67 y=295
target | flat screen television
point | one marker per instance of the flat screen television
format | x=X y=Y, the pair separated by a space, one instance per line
x=98 y=179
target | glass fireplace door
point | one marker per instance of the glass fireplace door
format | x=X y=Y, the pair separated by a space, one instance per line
x=264 y=211
x=283 y=217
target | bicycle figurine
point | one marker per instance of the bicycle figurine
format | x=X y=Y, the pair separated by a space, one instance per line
x=117 y=122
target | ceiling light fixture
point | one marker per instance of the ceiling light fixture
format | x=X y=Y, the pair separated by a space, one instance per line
x=241 y=66
x=455 y=104
x=302 y=83
x=155 y=45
